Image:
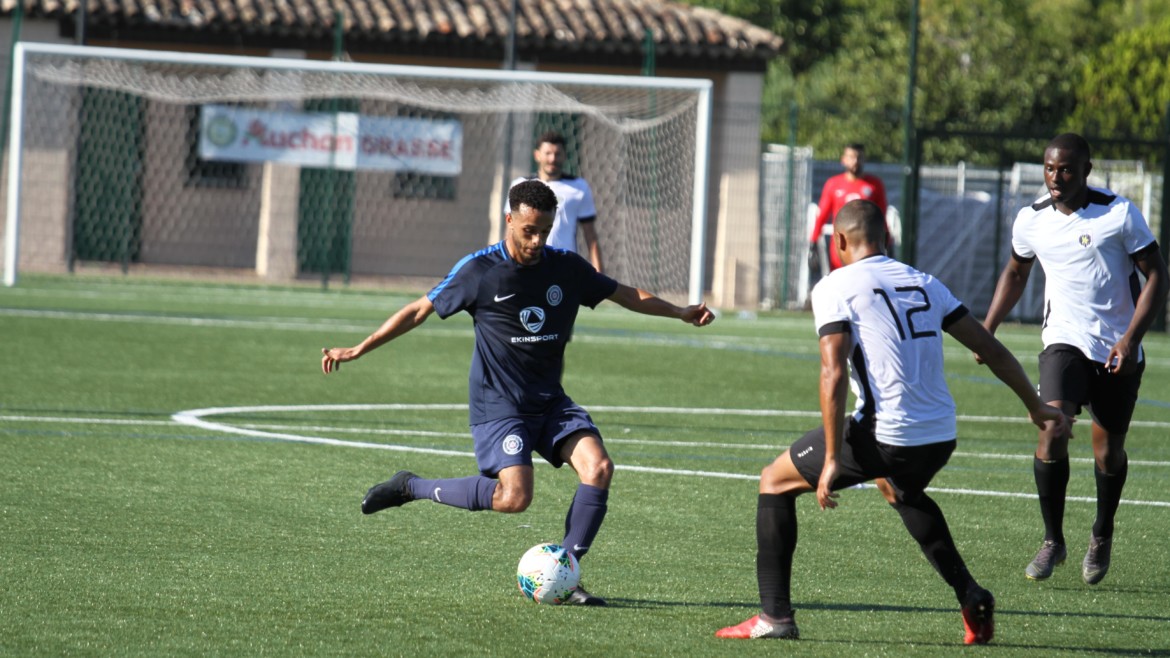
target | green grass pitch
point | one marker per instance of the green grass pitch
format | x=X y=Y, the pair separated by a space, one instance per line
x=179 y=479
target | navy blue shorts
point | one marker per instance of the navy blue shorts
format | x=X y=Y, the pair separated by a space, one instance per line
x=1067 y=374
x=511 y=441
x=862 y=458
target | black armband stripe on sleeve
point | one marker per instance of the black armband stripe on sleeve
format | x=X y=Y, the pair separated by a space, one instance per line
x=1145 y=251
x=1020 y=259
x=954 y=316
x=841 y=327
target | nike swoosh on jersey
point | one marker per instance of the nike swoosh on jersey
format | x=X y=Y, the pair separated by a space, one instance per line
x=500 y=299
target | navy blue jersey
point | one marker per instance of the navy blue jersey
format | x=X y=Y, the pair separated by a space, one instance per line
x=523 y=318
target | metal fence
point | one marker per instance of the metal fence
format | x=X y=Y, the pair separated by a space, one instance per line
x=962 y=232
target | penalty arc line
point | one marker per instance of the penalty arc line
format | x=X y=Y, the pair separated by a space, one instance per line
x=237 y=429
x=194 y=418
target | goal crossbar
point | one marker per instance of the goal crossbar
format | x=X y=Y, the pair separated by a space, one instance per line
x=701 y=88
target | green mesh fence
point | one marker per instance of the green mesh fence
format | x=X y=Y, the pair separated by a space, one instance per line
x=107 y=199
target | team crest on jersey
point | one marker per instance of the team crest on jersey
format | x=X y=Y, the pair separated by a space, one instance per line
x=532 y=318
x=1085 y=239
x=554 y=295
x=512 y=444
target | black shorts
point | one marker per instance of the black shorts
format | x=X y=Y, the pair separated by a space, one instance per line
x=863 y=458
x=1067 y=374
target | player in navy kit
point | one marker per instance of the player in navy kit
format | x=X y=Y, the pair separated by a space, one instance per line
x=524 y=299
x=885 y=319
x=1091 y=243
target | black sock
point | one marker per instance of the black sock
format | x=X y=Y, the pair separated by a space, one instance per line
x=927 y=525
x=1109 y=488
x=1051 y=485
x=775 y=546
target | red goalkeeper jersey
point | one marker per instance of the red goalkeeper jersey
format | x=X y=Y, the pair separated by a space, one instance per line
x=838 y=191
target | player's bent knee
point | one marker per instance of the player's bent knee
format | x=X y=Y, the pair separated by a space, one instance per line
x=1051 y=447
x=775 y=480
x=597 y=472
x=1110 y=462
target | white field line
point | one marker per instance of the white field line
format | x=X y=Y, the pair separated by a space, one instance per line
x=237 y=296
x=704 y=340
x=194 y=418
x=767 y=447
x=329 y=429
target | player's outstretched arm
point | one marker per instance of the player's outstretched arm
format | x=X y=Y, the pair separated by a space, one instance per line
x=1007 y=368
x=407 y=318
x=640 y=301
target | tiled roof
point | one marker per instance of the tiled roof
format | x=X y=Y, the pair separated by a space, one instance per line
x=570 y=30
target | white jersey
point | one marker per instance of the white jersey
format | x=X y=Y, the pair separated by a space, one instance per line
x=574 y=205
x=1091 y=280
x=895 y=317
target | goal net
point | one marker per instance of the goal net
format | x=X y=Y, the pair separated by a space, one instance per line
x=144 y=161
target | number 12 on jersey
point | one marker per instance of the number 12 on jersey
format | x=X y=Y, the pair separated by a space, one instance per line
x=916 y=300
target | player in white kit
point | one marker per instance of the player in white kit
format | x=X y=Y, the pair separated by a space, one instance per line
x=575 y=206
x=885 y=319
x=1092 y=244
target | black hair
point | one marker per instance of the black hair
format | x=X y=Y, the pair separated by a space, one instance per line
x=1070 y=142
x=860 y=215
x=551 y=137
x=534 y=194
x=855 y=146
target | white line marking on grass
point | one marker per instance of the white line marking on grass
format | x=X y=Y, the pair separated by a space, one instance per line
x=194 y=418
x=706 y=341
x=192 y=321
x=768 y=447
x=1024 y=495
x=675 y=471
x=776 y=448
x=357 y=430
x=703 y=341
x=84 y=421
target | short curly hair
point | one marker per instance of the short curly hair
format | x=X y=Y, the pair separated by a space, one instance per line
x=534 y=194
x=551 y=137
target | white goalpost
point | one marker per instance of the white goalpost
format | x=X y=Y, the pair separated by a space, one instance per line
x=294 y=169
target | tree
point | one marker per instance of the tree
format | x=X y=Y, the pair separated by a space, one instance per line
x=810 y=28
x=982 y=65
x=986 y=65
x=851 y=95
x=1126 y=85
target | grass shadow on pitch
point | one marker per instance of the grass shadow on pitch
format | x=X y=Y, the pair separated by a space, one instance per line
x=901 y=609
x=1040 y=649
x=860 y=607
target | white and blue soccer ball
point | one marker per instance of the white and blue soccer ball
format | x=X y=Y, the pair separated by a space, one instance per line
x=548 y=574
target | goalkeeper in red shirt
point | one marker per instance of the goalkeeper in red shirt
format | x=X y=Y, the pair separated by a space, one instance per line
x=839 y=190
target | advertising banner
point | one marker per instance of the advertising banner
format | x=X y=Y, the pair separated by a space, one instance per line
x=344 y=140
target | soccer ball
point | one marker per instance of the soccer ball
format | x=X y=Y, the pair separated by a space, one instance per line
x=548 y=574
